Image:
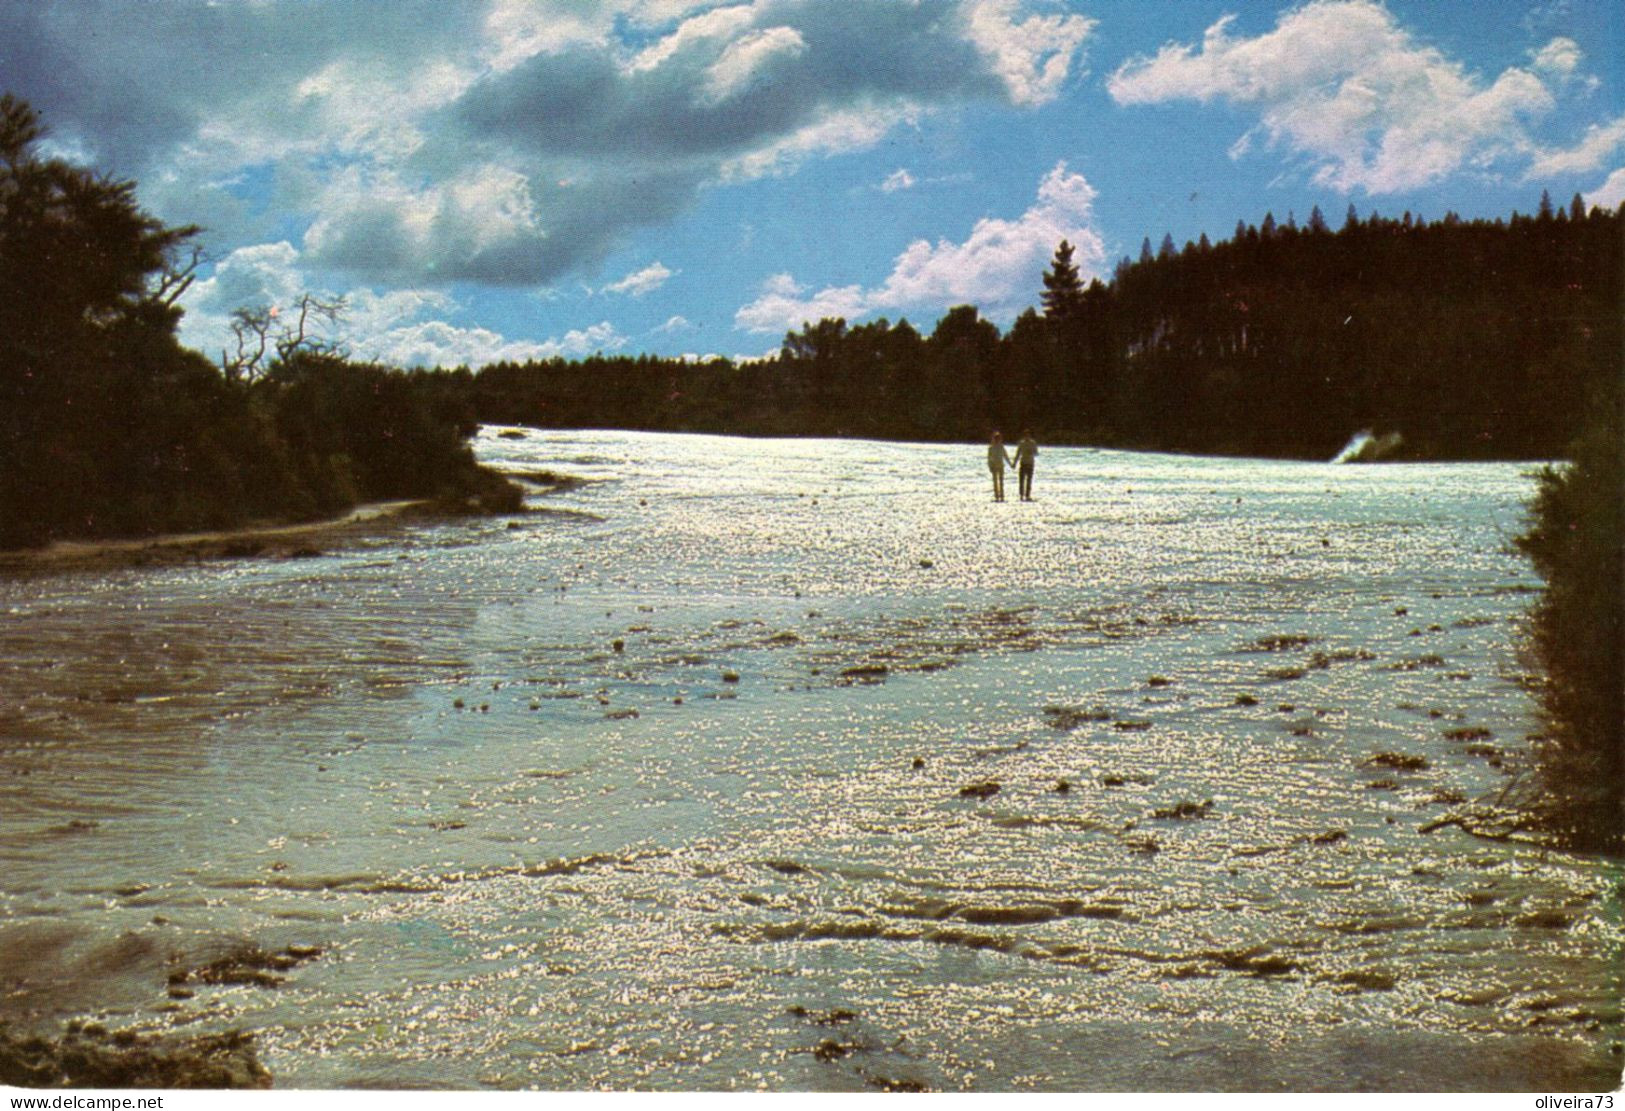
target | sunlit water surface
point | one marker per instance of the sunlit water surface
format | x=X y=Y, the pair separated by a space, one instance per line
x=660 y=785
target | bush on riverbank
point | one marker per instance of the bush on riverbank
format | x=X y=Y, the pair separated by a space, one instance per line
x=1574 y=540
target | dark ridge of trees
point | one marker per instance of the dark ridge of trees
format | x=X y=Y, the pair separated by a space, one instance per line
x=1471 y=339
x=109 y=427
x=1574 y=541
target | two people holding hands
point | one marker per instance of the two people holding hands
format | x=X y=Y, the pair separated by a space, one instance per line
x=998 y=458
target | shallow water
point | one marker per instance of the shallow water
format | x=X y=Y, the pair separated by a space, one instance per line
x=660 y=786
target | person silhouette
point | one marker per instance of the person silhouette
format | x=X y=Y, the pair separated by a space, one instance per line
x=1026 y=453
x=997 y=459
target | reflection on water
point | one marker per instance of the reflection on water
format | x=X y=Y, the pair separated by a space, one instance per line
x=800 y=764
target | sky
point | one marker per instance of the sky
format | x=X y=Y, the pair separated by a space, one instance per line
x=523 y=179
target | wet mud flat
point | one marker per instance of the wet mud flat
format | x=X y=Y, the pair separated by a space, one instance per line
x=790 y=767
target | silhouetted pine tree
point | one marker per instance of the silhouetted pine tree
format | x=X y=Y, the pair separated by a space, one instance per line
x=1063 y=288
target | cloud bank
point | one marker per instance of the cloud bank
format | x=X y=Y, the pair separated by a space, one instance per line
x=509 y=142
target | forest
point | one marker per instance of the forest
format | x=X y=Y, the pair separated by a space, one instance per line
x=1469 y=339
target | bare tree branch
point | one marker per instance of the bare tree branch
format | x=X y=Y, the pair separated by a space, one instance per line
x=176 y=278
x=265 y=336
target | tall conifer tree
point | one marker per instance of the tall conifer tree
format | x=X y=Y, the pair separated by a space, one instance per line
x=1063 y=288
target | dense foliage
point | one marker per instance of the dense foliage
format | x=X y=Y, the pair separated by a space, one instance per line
x=1470 y=339
x=108 y=426
x=1574 y=539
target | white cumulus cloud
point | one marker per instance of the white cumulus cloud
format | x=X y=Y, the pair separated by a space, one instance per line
x=744 y=59
x=836 y=133
x=782 y=305
x=1561 y=56
x=636 y=284
x=438 y=343
x=1609 y=195
x=1341 y=84
x=1032 y=55
x=1590 y=153
x=897 y=179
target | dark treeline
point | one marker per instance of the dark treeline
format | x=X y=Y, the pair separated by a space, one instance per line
x=109 y=427
x=1471 y=339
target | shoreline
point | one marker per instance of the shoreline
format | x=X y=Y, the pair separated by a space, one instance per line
x=305 y=539
x=269 y=540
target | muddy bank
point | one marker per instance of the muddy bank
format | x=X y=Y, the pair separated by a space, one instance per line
x=88 y=1056
x=293 y=541
x=305 y=540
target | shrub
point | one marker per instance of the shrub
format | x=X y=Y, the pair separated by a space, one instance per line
x=1574 y=541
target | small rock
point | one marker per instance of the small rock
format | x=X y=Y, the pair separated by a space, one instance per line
x=1184 y=810
x=829 y=1049
x=866 y=673
x=985 y=789
x=1399 y=761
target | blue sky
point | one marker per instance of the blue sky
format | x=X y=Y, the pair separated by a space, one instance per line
x=487 y=179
